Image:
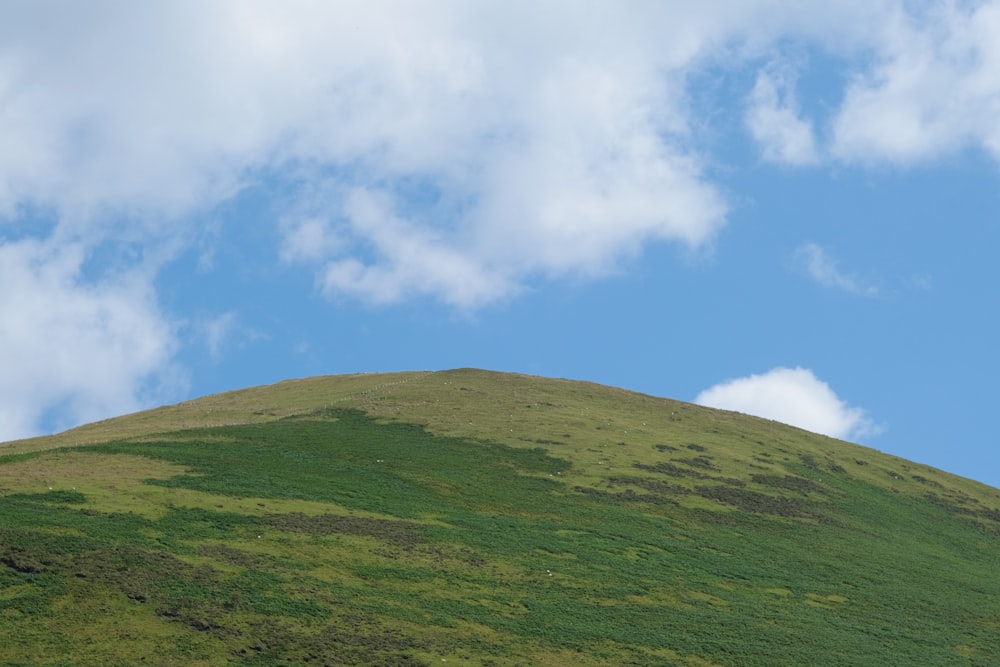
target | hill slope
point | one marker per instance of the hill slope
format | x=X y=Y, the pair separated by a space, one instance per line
x=484 y=519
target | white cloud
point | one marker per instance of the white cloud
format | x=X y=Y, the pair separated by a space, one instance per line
x=824 y=269
x=409 y=87
x=561 y=136
x=91 y=348
x=776 y=124
x=560 y=141
x=933 y=89
x=793 y=396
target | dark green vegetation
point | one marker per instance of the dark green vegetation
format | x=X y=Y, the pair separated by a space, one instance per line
x=475 y=518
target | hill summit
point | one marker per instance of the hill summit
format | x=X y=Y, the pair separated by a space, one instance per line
x=479 y=518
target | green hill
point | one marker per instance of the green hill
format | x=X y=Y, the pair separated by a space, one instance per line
x=475 y=518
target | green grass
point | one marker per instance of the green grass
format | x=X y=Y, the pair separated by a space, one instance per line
x=485 y=519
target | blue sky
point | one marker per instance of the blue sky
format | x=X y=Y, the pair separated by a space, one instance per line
x=786 y=209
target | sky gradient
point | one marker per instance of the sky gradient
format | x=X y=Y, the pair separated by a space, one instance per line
x=788 y=209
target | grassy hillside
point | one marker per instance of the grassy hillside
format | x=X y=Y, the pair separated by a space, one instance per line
x=478 y=518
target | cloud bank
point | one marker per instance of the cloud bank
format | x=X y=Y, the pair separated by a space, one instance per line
x=509 y=142
x=793 y=396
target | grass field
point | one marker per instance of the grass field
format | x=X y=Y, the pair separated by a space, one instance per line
x=478 y=518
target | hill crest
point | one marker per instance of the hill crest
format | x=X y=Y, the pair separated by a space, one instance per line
x=485 y=519
x=531 y=411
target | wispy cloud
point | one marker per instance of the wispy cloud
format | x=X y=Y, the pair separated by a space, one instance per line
x=309 y=239
x=775 y=122
x=825 y=270
x=217 y=330
x=410 y=260
x=225 y=332
x=793 y=396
